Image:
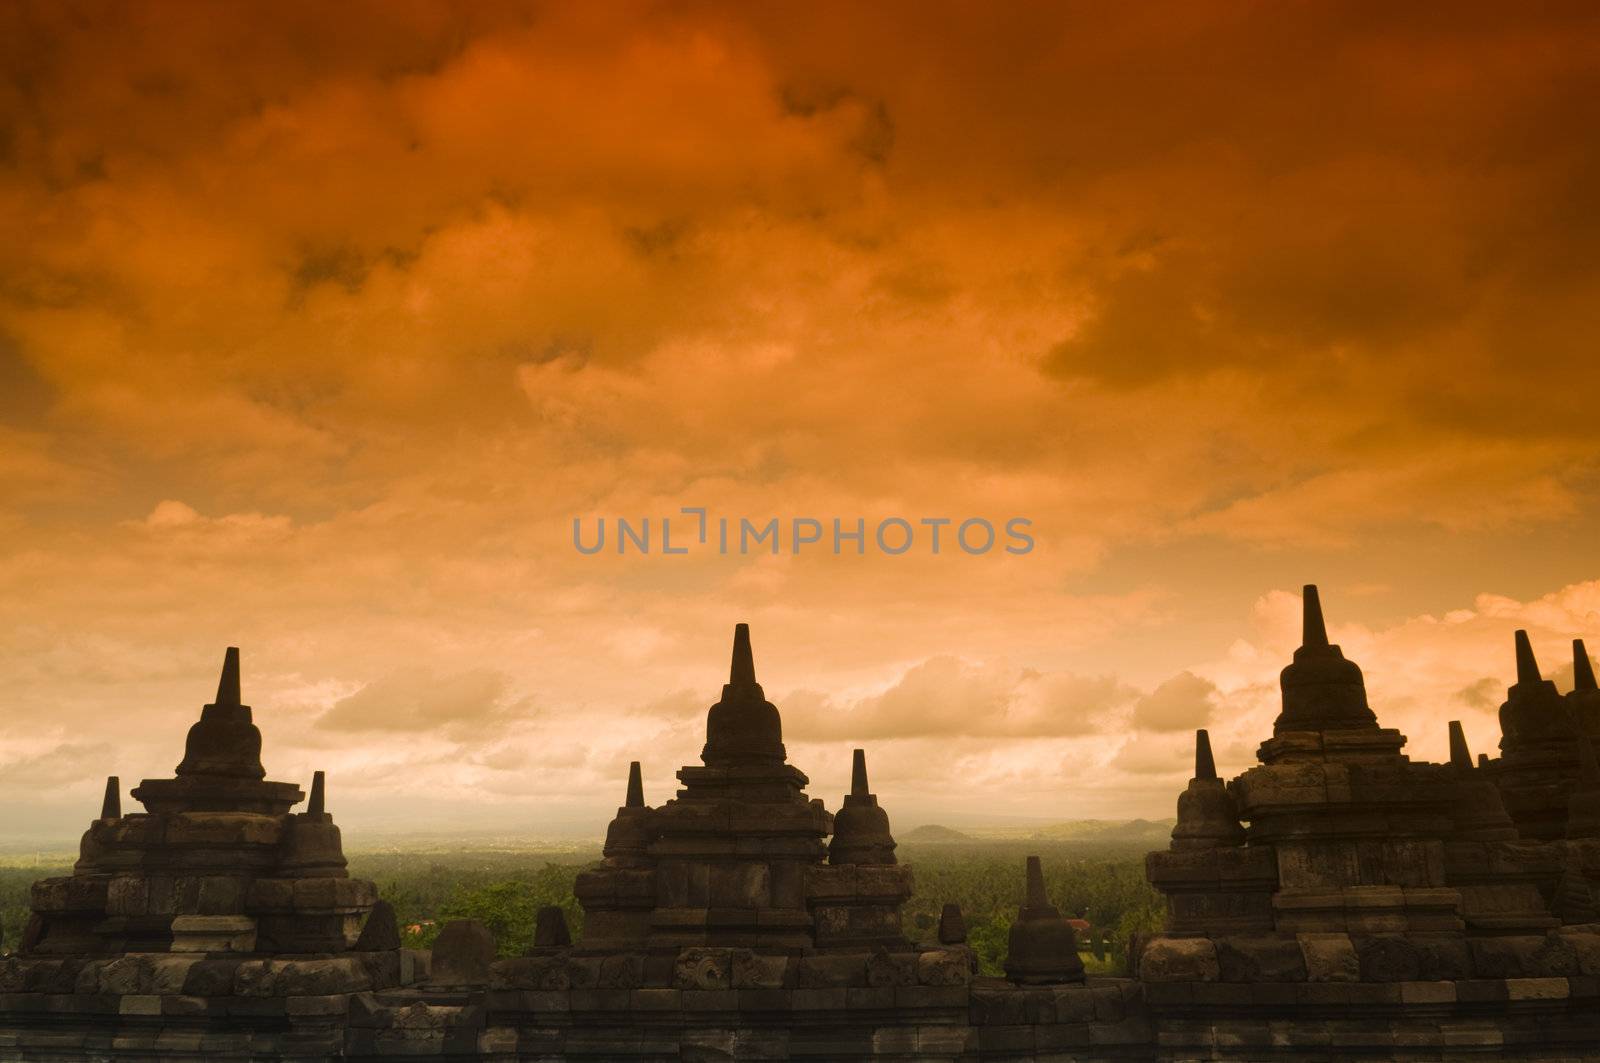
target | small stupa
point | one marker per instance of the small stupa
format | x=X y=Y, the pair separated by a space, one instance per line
x=1042 y=948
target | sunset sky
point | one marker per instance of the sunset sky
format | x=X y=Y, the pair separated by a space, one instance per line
x=320 y=324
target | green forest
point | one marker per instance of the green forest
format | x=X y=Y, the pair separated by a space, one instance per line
x=1100 y=882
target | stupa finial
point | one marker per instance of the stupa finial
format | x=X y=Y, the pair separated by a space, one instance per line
x=1582 y=670
x=1037 y=898
x=228 y=684
x=1313 y=632
x=1460 y=755
x=1205 y=767
x=1527 y=666
x=635 y=797
x=858 y=774
x=743 y=672
x=111 y=804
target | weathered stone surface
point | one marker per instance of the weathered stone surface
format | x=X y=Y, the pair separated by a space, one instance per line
x=462 y=954
x=381 y=932
x=703 y=968
x=1388 y=958
x=1265 y=959
x=1330 y=958
x=1042 y=948
x=1172 y=959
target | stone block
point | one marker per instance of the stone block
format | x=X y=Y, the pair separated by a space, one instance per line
x=270 y=895
x=763 y=1000
x=1505 y=957
x=169 y=974
x=752 y=970
x=1134 y=1030
x=1173 y=959
x=179 y=1005
x=462 y=954
x=530 y=972
x=1003 y=1005
x=656 y=999
x=1260 y=959
x=932 y=996
x=140 y=1004
x=1388 y=958
x=604 y=1000
x=1330 y=958
x=327 y=1004
x=1427 y=992
x=710 y=1000
x=210 y=977
x=1076 y=1003
x=255 y=978
x=1558 y=955
x=830 y=999
x=213 y=933
x=884 y=968
x=625 y=971
x=825 y=972
x=121 y=976
x=1537 y=989
x=875 y=997
x=944 y=967
x=999 y=1040
x=699 y=968
x=339 y=974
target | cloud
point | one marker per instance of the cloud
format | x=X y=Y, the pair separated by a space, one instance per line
x=57 y=766
x=947 y=695
x=415 y=701
x=1182 y=703
x=1154 y=754
x=330 y=318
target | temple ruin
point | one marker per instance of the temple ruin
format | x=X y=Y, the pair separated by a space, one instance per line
x=1335 y=900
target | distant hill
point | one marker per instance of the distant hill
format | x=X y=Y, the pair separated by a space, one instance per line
x=1144 y=831
x=933 y=833
x=1137 y=833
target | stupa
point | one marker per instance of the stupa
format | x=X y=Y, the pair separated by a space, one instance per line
x=215 y=863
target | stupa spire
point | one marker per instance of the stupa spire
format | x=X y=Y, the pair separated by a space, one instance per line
x=1313 y=632
x=1582 y=669
x=743 y=671
x=1038 y=899
x=1460 y=755
x=635 y=798
x=858 y=775
x=228 y=683
x=1527 y=666
x=111 y=804
x=1205 y=767
x=319 y=794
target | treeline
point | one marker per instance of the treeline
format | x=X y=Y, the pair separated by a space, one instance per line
x=1103 y=884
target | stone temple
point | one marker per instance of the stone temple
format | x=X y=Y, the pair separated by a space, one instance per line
x=1336 y=900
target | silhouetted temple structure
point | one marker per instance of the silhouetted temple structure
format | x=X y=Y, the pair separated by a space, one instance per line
x=1336 y=900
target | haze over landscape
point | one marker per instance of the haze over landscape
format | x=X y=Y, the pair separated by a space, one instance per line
x=320 y=324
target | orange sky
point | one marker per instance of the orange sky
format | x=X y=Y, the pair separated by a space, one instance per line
x=320 y=323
